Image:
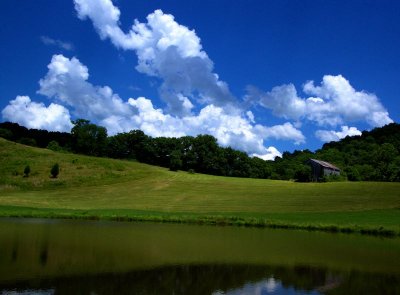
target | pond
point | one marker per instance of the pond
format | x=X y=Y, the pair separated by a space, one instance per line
x=39 y=256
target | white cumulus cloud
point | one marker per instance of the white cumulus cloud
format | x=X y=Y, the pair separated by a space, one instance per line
x=167 y=50
x=36 y=115
x=230 y=130
x=283 y=132
x=332 y=103
x=282 y=100
x=331 y=135
x=66 y=82
x=345 y=104
x=269 y=154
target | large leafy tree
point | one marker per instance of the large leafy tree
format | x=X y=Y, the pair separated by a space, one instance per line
x=175 y=162
x=89 y=139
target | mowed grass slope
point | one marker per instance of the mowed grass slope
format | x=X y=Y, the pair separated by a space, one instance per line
x=105 y=188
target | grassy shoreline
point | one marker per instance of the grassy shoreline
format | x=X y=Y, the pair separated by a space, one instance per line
x=192 y=218
x=107 y=189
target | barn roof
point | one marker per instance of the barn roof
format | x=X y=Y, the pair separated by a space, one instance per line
x=325 y=164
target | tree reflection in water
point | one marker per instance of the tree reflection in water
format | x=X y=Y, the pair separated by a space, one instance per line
x=215 y=280
x=75 y=257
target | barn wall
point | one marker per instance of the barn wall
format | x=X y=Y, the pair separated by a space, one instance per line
x=318 y=171
x=328 y=172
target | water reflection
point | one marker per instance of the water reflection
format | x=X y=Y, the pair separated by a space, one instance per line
x=212 y=279
x=63 y=257
x=28 y=292
x=169 y=280
x=268 y=286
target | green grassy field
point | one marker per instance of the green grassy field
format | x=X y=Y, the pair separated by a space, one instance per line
x=89 y=187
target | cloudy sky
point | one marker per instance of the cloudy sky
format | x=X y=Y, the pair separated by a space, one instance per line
x=261 y=76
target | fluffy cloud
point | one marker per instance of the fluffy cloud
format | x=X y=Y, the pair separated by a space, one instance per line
x=167 y=50
x=36 y=115
x=282 y=132
x=332 y=103
x=230 y=130
x=269 y=154
x=173 y=53
x=345 y=103
x=331 y=135
x=282 y=100
x=66 y=81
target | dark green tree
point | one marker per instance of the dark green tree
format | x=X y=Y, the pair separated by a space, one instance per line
x=205 y=149
x=118 y=146
x=189 y=157
x=383 y=156
x=55 y=170
x=163 y=148
x=27 y=170
x=175 y=160
x=5 y=133
x=89 y=139
x=54 y=146
x=303 y=173
x=353 y=174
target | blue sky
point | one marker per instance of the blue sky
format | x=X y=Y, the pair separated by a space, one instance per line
x=239 y=70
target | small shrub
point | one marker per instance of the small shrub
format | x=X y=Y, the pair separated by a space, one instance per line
x=191 y=171
x=27 y=170
x=54 y=146
x=333 y=178
x=55 y=170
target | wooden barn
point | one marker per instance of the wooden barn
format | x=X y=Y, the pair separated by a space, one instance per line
x=319 y=169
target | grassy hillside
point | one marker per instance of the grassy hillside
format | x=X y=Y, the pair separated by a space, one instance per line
x=89 y=187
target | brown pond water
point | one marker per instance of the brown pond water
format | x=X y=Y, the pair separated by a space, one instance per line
x=40 y=256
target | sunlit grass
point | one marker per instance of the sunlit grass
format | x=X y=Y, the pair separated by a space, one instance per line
x=106 y=187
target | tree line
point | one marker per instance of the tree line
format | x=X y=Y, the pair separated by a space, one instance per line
x=373 y=156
